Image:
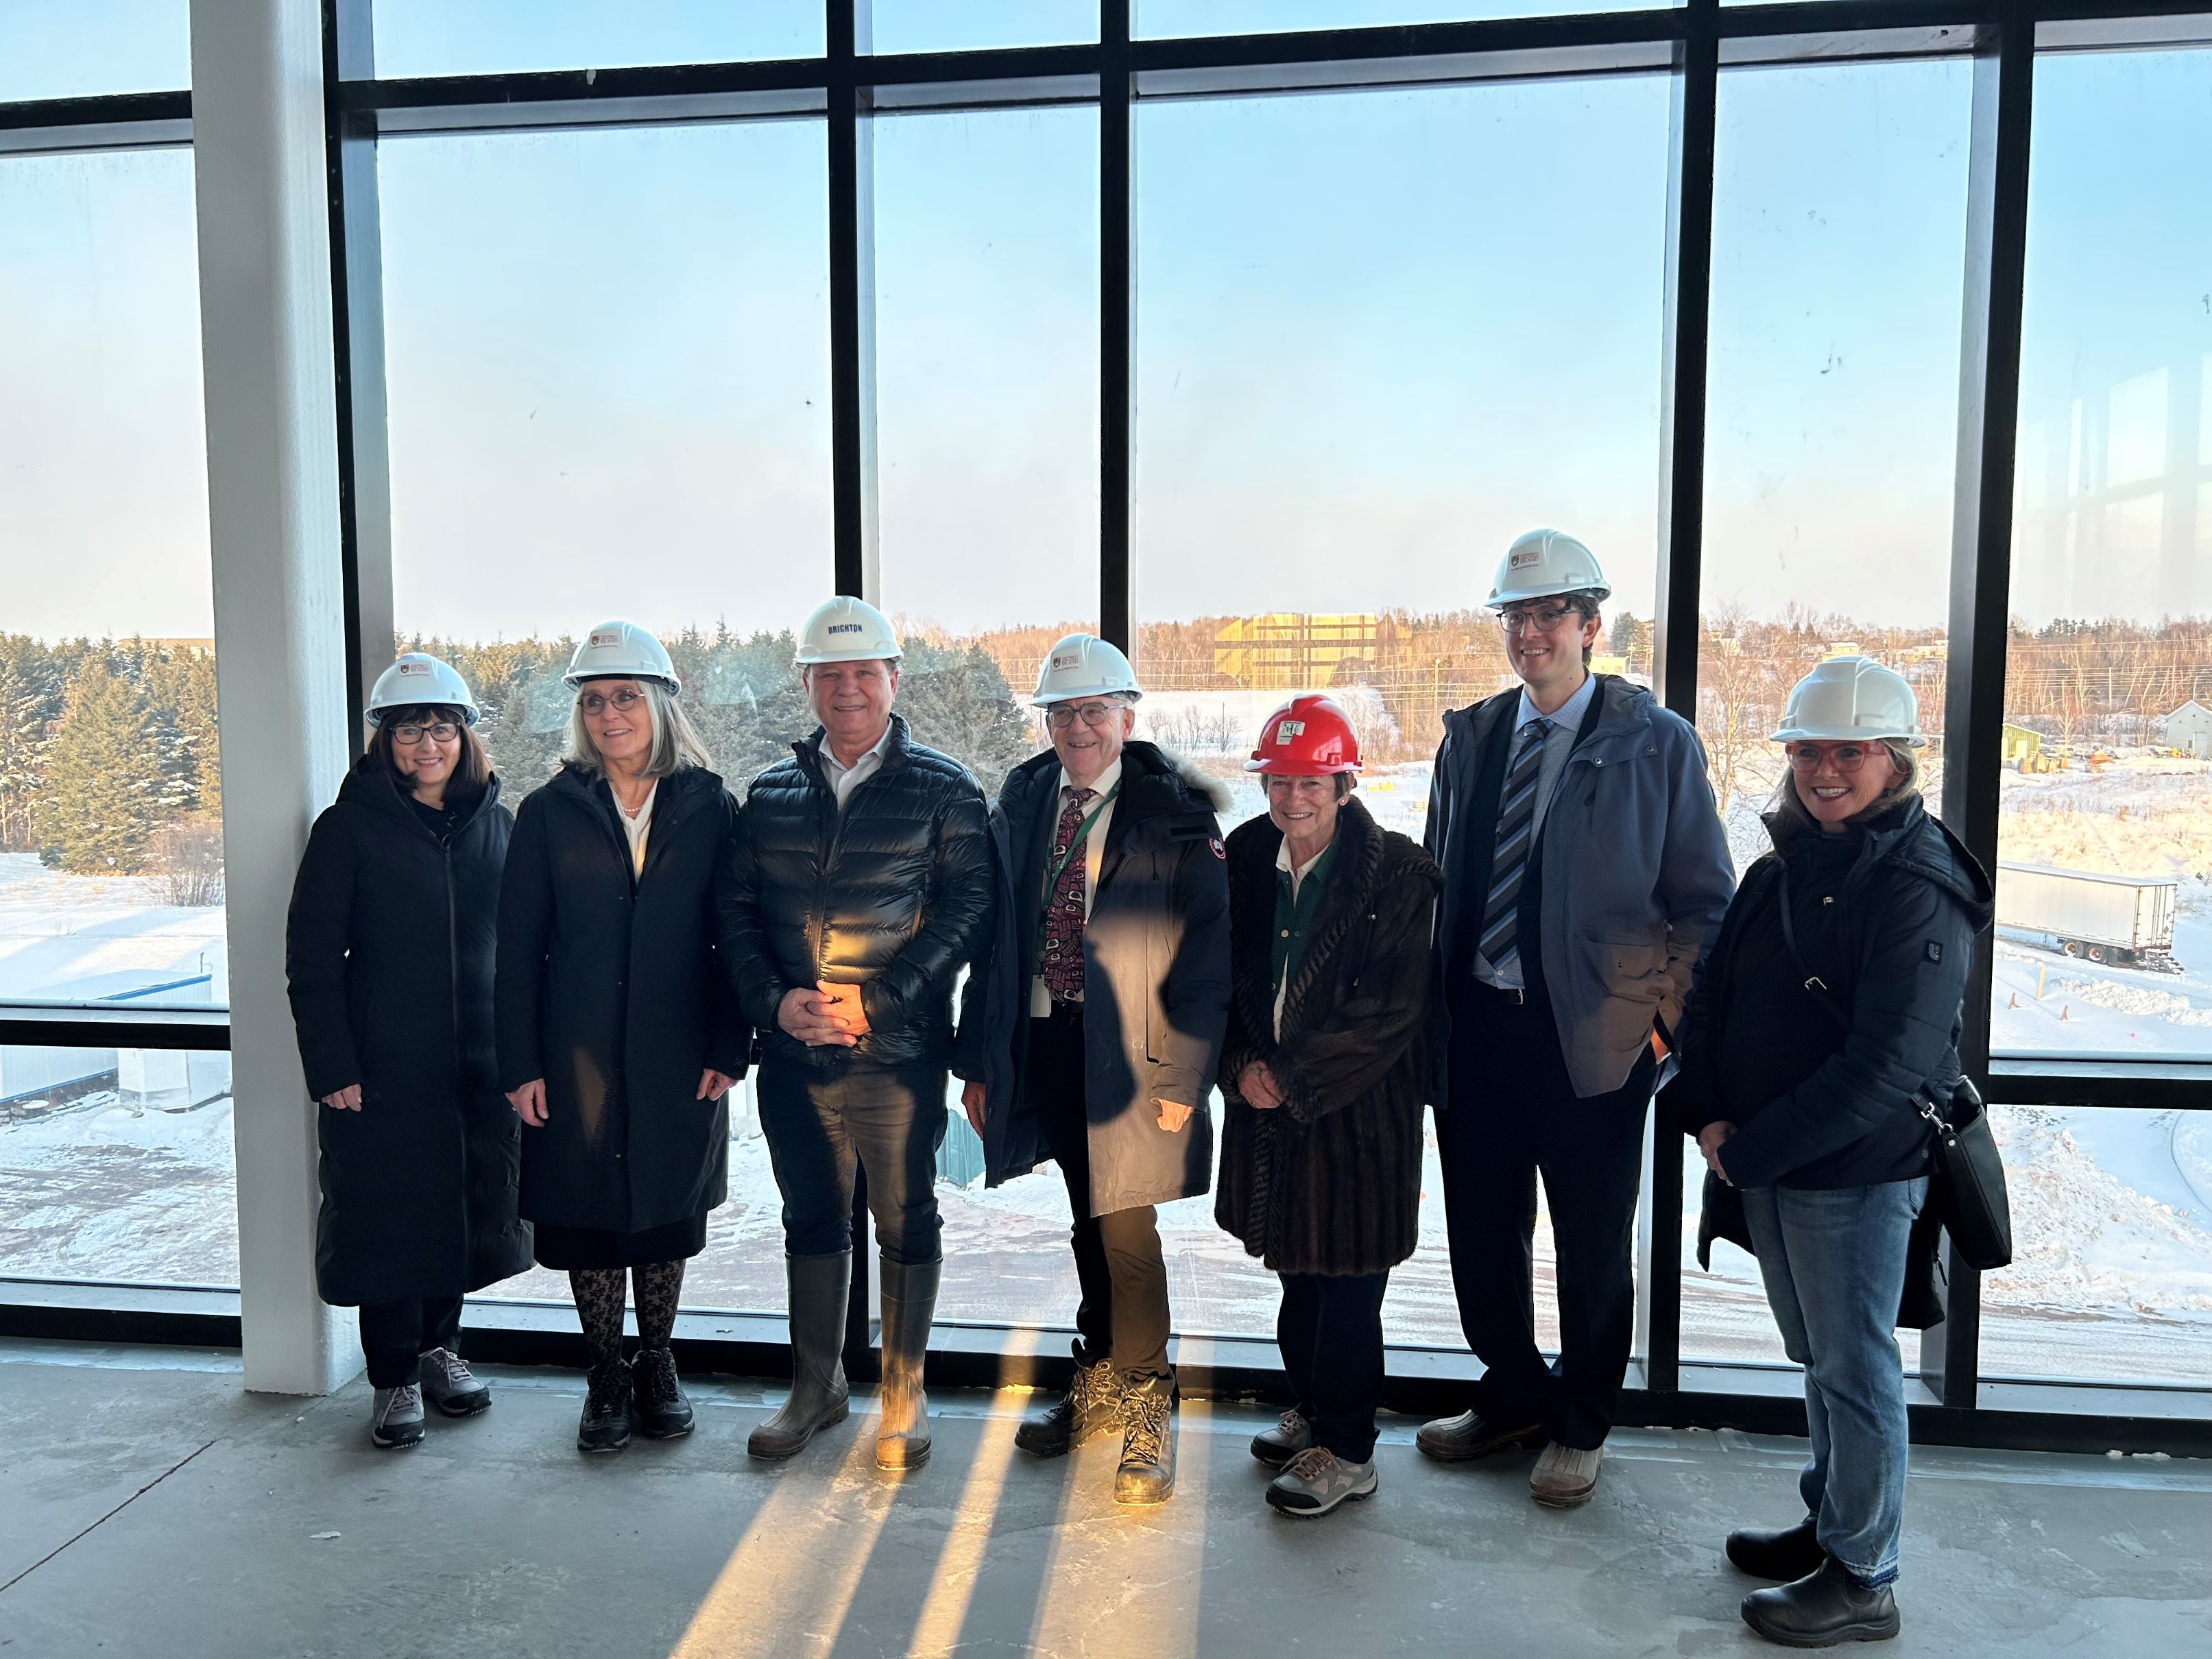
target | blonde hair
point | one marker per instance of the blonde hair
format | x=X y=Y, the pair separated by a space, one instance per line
x=1790 y=805
x=676 y=741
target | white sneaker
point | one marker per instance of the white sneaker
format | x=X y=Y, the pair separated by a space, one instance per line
x=1566 y=1476
x=395 y=1417
x=1316 y=1481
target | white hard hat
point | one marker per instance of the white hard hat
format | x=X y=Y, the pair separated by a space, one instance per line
x=1545 y=563
x=1085 y=665
x=1851 y=699
x=419 y=680
x=615 y=649
x=847 y=629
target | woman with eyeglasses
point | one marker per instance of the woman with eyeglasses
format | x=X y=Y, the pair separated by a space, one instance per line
x=1833 y=997
x=388 y=952
x=618 y=1040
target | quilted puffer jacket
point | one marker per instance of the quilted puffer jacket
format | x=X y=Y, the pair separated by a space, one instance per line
x=893 y=894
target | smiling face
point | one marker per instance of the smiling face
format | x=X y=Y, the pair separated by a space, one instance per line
x=1303 y=809
x=852 y=700
x=1545 y=641
x=428 y=762
x=1085 y=750
x=622 y=736
x=1837 y=781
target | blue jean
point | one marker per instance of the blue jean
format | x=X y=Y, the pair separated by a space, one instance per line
x=888 y=1120
x=1833 y=1260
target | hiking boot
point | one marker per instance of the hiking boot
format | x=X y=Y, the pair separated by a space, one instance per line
x=910 y=1303
x=1277 y=1446
x=1146 y=1475
x=1786 y=1556
x=395 y=1417
x=1461 y=1439
x=818 y=1287
x=1566 y=1476
x=1821 y=1609
x=605 y=1425
x=1091 y=1406
x=449 y=1384
x=656 y=1403
x=1316 y=1481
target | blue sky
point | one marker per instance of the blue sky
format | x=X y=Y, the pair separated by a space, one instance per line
x=1377 y=335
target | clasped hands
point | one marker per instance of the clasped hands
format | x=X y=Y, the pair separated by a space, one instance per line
x=824 y=1017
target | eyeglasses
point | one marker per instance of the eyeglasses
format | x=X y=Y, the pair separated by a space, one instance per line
x=1540 y=618
x=443 y=732
x=1061 y=715
x=622 y=702
x=1846 y=756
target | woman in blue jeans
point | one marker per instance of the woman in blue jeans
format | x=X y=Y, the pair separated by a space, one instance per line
x=1832 y=997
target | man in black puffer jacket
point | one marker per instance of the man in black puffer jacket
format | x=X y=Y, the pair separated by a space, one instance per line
x=861 y=884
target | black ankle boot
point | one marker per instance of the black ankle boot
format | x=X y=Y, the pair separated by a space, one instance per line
x=656 y=1398
x=605 y=1425
x=1091 y=1406
x=1785 y=1554
x=1821 y=1609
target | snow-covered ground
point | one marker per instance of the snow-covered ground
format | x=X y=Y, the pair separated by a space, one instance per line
x=93 y=938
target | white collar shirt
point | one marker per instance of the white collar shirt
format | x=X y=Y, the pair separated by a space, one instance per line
x=1559 y=743
x=1094 y=847
x=844 y=780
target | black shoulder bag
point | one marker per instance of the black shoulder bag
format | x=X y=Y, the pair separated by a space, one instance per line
x=1969 y=1188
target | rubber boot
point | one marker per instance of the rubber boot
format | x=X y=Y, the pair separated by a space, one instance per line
x=910 y=1303
x=819 y=1286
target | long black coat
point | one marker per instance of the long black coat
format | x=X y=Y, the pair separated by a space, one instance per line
x=1155 y=981
x=388 y=955
x=892 y=894
x=610 y=990
x=1330 y=1181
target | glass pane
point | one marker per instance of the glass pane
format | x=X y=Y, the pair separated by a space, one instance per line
x=629 y=421
x=1838 y=247
x=971 y=24
x=1156 y=19
x=115 y=1165
x=1724 y=1312
x=1379 y=336
x=499 y=37
x=986 y=366
x=88 y=48
x=2105 y=804
x=111 y=830
x=2112 y=1274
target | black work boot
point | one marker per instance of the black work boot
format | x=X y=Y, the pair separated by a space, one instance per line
x=1470 y=1435
x=818 y=1286
x=656 y=1398
x=910 y=1303
x=1821 y=1609
x=1784 y=1555
x=1148 y=1452
x=605 y=1425
x=1091 y=1406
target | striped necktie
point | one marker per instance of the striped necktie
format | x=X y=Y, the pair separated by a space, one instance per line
x=1517 y=835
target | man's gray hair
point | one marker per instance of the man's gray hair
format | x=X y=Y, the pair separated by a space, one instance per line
x=676 y=741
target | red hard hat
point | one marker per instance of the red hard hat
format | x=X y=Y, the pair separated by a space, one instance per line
x=1308 y=737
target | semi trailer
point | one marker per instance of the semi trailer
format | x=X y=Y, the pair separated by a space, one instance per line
x=2123 y=920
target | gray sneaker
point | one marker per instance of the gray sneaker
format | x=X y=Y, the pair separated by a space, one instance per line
x=1277 y=1446
x=450 y=1385
x=1316 y=1481
x=395 y=1417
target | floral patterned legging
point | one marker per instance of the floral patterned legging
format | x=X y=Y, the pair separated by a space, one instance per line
x=598 y=1293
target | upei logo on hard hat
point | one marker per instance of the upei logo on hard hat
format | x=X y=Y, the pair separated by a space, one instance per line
x=1521 y=558
x=604 y=639
x=1066 y=659
x=407 y=668
x=1286 y=730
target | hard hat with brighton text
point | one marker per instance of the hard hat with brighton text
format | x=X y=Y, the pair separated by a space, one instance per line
x=847 y=629
x=620 y=650
x=1084 y=665
x=1309 y=737
x=1851 y=700
x=1545 y=563
x=419 y=680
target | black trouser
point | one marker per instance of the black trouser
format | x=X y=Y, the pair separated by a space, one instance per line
x=1512 y=1114
x=1118 y=1264
x=890 y=1119
x=1330 y=1332
x=395 y=1336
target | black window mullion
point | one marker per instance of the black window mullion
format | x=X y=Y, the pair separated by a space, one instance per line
x=1116 y=337
x=852 y=302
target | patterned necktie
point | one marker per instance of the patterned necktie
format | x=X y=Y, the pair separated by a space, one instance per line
x=1062 y=963
x=1517 y=835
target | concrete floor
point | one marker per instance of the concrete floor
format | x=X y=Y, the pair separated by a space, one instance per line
x=148 y=1506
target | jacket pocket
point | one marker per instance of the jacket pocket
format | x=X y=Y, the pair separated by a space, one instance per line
x=1622 y=964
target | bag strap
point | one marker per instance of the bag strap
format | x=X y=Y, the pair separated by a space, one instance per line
x=1816 y=987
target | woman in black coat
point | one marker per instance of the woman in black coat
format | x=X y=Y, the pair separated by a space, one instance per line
x=1326 y=1067
x=388 y=952
x=1830 y=1006
x=618 y=1040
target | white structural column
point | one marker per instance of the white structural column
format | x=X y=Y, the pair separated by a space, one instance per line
x=266 y=334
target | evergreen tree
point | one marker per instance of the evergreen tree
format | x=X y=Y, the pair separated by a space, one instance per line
x=22 y=737
x=100 y=800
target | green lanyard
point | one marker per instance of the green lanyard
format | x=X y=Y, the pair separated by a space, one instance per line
x=1051 y=879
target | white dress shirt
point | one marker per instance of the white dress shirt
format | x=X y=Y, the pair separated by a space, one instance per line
x=638 y=828
x=1094 y=849
x=1566 y=723
x=844 y=780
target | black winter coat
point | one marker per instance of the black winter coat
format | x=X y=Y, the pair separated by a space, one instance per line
x=1330 y=1181
x=892 y=894
x=1885 y=917
x=388 y=954
x=610 y=990
x=1155 y=981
